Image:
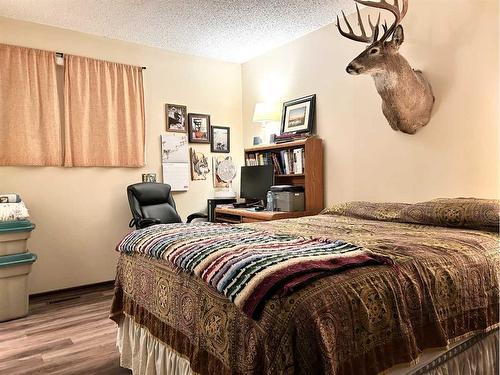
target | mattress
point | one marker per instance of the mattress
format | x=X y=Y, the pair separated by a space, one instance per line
x=442 y=289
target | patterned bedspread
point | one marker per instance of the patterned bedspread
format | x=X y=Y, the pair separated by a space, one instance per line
x=245 y=264
x=361 y=321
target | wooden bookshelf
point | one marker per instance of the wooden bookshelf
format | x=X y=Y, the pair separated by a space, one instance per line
x=312 y=178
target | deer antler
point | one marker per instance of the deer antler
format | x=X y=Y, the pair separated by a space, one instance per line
x=363 y=38
x=393 y=8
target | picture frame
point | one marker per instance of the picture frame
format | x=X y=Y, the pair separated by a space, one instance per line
x=177 y=118
x=198 y=128
x=298 y=115
x=220 y=139
x=149 y=177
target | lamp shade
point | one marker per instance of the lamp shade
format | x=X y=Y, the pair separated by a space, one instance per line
x=265 y=112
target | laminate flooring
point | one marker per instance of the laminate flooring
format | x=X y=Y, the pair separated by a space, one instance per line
x=66 y=333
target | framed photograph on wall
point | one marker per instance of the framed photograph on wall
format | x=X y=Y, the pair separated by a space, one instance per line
x=149 y=177
x=220 y=139
x=298 y=115
x=176 y=118
x=198 y=128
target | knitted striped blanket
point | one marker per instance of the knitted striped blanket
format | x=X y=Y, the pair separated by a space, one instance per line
x=245 y=264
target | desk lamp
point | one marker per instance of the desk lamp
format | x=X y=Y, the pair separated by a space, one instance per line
x=268 y=115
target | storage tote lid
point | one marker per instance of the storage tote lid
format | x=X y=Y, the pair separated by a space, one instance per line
x=16 y=226
x=17 y=259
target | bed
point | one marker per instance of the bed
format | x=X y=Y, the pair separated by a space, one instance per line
x=433 y=308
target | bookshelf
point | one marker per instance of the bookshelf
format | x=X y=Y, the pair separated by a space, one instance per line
x=307 y=172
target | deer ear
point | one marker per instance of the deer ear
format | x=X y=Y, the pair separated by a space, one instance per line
x=398 y=37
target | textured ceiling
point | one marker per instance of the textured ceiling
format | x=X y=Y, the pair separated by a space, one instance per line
x=231 y=30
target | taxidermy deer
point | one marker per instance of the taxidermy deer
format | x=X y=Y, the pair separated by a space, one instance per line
x=407 y=98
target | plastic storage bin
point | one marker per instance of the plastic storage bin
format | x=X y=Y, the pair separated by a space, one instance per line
x=14 y=235
x=14 y=270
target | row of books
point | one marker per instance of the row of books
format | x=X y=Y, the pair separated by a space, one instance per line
x=290 y=137
x=258 y=158
x=290 y=161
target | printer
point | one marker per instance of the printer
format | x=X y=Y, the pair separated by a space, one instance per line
x=288 y=198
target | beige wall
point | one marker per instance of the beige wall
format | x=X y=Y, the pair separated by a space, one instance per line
x=455 y=43
x=81 y=213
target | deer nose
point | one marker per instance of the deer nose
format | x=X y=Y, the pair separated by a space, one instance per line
x=353 y=69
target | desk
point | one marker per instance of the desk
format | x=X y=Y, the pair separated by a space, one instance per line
x=212 y=204
x=243 y=215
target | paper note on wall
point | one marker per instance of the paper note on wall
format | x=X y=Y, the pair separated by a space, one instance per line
x=175 y=161
x=176 y=175
x=174 y=148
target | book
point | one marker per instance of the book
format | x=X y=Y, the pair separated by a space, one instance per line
x=298 y=159
x=283 y=138
x=291 y=161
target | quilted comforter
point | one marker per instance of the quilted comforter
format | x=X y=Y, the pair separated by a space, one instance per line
x=444 y=287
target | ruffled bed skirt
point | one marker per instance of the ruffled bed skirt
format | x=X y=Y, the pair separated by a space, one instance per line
x=471 y=357
x=144 y=354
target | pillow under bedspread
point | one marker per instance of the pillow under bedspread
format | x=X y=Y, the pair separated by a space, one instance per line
x=470 y=213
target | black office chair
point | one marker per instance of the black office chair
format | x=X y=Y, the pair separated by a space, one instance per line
x=152 y=203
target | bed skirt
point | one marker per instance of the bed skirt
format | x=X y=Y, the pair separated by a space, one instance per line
x=144 y=354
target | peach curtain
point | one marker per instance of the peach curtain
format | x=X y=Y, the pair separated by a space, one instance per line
x=104 y=114
x=30 y=119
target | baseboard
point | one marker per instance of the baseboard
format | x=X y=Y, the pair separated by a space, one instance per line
x=74 y=289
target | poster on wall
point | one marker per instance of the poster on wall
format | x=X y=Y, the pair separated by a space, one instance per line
x=175 y=161
x=218 y=183
x=199 y=165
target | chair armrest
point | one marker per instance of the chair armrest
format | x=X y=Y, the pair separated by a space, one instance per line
x=144 y=223
x=198 y=215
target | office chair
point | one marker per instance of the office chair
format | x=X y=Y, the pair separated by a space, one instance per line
x=152 y=203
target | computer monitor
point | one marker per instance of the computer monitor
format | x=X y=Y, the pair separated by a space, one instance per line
x=256 y=182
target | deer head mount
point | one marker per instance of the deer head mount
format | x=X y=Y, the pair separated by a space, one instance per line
x=407 y=98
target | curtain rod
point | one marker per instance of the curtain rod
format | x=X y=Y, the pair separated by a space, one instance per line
x=61 y=55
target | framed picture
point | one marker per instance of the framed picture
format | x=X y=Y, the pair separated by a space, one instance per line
x=199 y=165
x=298 y=115
x=149 y=177
x=220 y=139
x=198 y=128
x=176 y=118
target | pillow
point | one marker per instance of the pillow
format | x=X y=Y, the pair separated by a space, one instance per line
x=469 y=213
x=368 y=210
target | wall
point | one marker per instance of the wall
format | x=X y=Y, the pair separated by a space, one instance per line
x=81 y=213
x=456 y=44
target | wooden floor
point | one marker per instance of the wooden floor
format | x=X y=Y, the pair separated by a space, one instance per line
x=65 y=333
